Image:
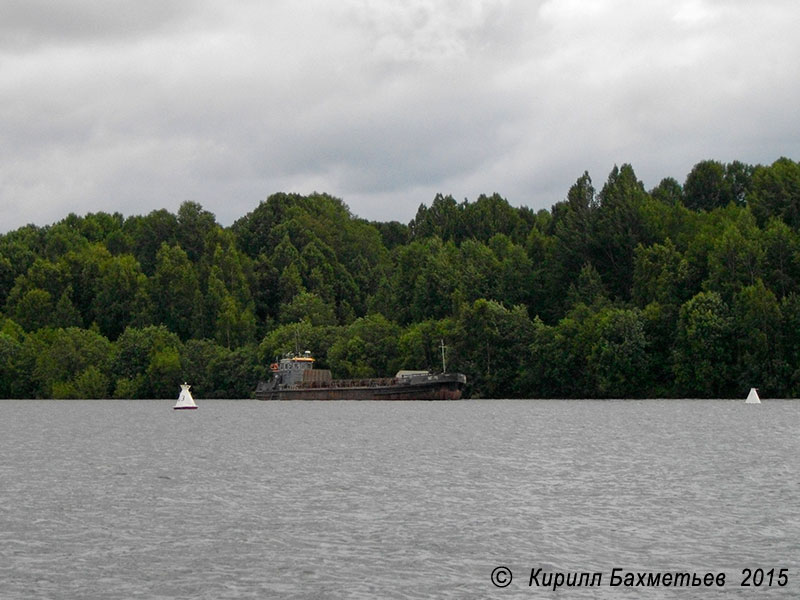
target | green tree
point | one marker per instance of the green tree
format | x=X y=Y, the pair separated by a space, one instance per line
x=233 y=268
x=175 y=293
x=618 y=228
x=256 y=231
x=121 y=299
x=18 y=250
x=425 y=278
x=89 y=383
x=545 y=297
x=619 y=360
x=790 y=350
x=6 y=278
x=636 y=293
x=10 y=367
x=588 y=288
x=515 y=274
x=134 y=351
x=660 y=330
x=309 y=306
x=194 y=224
x=65 y=358
x=42 y=275
x=34 y=345
x=556 y=368
x=490 y=215
x=706 y=188
x=705 y=349
x=491 y=345
x=236 y=373
x=265 y=290
x=319 y=272
x=98 y=227
x=351 y=248
x=668 y=191
x=366 y=348
x=781 y=257
x=393 y=233
x=148 y=234
x=443 y=220
x=233 y=321
x=736 y=258
x=164 y=371
x=34 y=310
x=235 y=325
x=660 y=274
x=478 y=269
x=739 y=178
x=419 y=345
x=65 y=314
x=63 y=238
x=758 y=332
x=290 y=284
x=83 y=271
x=775 y=192
x=199 y=358
x=572 y=225
x=298 y=337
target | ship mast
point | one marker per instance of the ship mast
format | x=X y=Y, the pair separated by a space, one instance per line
x=444 y=364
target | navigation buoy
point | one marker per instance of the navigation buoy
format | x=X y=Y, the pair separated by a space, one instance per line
x=752 y=397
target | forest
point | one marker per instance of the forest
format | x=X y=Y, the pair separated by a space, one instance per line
x=685 y=290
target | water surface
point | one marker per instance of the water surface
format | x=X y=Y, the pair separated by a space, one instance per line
x=246 y=499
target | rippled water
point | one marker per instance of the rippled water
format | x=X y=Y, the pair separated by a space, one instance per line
x=124 y=499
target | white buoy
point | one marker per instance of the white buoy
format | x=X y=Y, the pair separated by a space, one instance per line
x=185 y=400
x=752 y=397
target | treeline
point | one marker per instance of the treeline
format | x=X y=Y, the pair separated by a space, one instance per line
x=684 y=290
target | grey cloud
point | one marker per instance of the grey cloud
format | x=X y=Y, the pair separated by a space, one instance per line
x=28 y=24
x=380 y=103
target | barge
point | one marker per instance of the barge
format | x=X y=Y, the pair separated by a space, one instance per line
x=295 y=378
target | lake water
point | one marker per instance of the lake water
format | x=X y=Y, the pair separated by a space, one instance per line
x=245 y=499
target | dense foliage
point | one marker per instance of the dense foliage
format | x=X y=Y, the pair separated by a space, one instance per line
x=688 y=290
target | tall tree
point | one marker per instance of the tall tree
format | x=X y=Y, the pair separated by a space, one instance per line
x=34 y=309
x=366 y=348
x=572 y=225
x=194 y=224
x=706 y=188
x=775 y=192
x=121 y=298
x=148 y=234
x=619 y=359
x=72 y=360
x=443 y=219
x=757 y=322
x=660 y=274
x=736 y=258
x=175 y=293
x=781 y=257
x=492 y=346
x=10 y=368
x=705 y=350
x=617 y=229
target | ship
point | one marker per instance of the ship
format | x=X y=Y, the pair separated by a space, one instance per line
x=295 y=378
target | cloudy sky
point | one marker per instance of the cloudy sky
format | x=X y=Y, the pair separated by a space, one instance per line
x=131 y=106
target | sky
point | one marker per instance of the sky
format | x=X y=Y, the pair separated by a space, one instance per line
x=129 y=107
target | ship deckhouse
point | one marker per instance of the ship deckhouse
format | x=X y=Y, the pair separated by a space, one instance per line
x=290 y=369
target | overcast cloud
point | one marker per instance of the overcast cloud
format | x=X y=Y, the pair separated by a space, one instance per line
x=133 y=106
